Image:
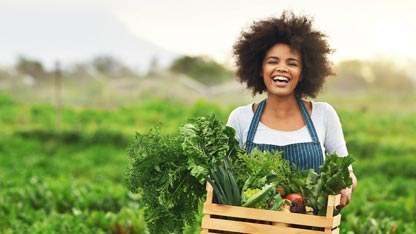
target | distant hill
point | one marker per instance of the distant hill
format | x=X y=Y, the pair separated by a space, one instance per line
x=71 y=34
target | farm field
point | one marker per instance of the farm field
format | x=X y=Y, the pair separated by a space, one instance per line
x=67 y=175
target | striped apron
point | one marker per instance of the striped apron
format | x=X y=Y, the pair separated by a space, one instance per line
x=304 y=155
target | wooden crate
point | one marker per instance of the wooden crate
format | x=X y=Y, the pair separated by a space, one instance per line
x=235 y=219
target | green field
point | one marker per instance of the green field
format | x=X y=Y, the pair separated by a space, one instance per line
x=66 y=175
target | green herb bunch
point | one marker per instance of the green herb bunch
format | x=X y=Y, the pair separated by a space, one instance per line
x=170 y=171
x=159 y=173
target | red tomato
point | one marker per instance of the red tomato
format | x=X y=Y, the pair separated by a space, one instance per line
x=295 y=198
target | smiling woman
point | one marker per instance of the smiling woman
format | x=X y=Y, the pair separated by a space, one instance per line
x=288 y=59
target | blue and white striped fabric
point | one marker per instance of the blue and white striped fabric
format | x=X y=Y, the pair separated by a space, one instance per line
x=304 y=155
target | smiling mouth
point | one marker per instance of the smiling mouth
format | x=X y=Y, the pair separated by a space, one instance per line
x=282 y=79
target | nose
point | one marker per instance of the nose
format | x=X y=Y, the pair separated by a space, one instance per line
x=281 y=68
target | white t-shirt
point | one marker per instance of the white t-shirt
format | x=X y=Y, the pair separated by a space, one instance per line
x=324 y=117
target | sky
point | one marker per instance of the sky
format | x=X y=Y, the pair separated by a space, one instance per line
x=356 y=29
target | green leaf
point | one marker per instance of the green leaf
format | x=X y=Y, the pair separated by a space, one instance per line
x=260 y=196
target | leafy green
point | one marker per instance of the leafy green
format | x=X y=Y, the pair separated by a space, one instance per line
x=261 y=198
x=170 y=172
x=206 y=140
x=294 y=180
x=260 y=172
x=255 y=169
x=159 y=173
x=334 y=176
x=258 y=168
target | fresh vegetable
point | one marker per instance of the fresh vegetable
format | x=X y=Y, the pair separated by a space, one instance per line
x=334 y=176
x=295 y=198
x=294 y=180
x=159 y=173
x=225 y=187
x=170 y=171
x=207 y=141
x=297 y=203
x=277 y=203
x=258 y=173
x=258 y=168
x=249 y=194
x=260 y=198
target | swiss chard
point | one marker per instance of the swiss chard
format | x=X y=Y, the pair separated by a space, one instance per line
x=334 y=176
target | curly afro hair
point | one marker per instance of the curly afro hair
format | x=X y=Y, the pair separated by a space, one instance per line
x=297 y=32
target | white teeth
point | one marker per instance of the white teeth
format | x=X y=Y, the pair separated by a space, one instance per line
x=281 y=79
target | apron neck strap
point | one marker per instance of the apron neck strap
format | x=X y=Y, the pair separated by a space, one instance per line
x=257 y=115
x=308 y=120
x=255 y=121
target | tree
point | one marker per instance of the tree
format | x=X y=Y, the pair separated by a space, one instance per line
x=371 y=77
x=110 y=66
x=30 y=67
x=390 y=80
x=202 y=69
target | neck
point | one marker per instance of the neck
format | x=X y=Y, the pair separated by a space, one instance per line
x=281 y=106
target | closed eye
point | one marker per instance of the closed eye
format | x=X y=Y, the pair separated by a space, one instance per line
x=293 y=62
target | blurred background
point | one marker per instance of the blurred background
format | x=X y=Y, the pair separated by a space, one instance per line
x=79 y=78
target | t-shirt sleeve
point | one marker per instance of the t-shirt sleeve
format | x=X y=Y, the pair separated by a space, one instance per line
x=233 y=121
x=334 y=138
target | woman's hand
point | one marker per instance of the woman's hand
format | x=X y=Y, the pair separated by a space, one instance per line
x=345 y=197
x=347 y=193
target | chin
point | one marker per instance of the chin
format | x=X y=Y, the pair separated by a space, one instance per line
x=280 y=94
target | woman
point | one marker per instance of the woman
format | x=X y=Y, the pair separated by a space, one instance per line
x=286 y=58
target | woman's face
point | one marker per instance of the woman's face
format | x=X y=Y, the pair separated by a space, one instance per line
x=281 y=70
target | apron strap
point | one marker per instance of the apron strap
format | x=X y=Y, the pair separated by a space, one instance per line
x=308 y=120
x=255 y=122
x=257 y=115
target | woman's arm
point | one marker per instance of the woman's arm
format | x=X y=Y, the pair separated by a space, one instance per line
x=347 y=193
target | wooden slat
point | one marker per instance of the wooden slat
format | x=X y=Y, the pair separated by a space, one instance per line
x=335 y=231
x=337 y=220
x=252 y=228
x=333 y=201
x=268 y=215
